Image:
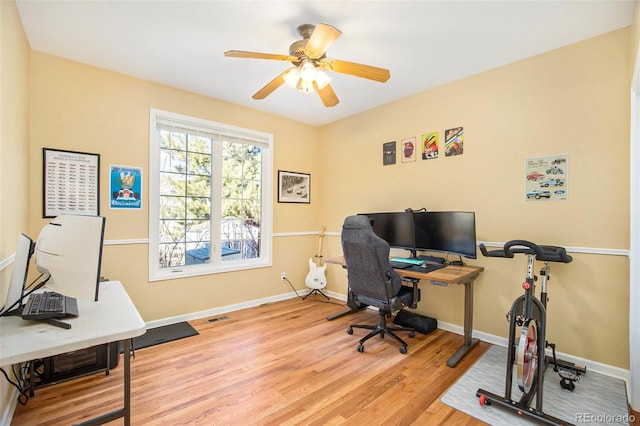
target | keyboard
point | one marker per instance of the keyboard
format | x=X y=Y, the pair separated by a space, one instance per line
x=49 y=304
x=428 y=267
x=399 y=265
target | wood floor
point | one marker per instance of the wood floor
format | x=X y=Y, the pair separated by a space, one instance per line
x=277 y=364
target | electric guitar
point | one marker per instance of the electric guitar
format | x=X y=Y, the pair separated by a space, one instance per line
x=315 y=278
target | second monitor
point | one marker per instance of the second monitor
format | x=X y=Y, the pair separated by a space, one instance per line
x=449 y=232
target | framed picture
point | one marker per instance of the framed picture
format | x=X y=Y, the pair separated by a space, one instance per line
x=294 y=187
x=71 y=183
x=125 y=187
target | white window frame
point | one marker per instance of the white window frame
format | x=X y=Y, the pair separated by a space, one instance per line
x=265 y=140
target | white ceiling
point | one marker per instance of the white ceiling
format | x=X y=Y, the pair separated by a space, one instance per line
x=423 y=43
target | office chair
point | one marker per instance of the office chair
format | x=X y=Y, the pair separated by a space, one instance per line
x=372 y=280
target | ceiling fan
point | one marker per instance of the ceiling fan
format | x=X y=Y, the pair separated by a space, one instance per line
x=309 y=59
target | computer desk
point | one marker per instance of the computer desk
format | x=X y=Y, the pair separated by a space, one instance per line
x=112 y=318
x=442 y=277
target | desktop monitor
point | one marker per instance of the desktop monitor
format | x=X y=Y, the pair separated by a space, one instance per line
x=446 y=232
x=69 y=250
x=396 y=228
x=18 y=280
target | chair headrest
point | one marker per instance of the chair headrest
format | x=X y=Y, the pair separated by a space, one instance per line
x=356 y=222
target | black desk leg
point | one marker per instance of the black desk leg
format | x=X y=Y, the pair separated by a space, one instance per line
x=353 y=307
x=469 y=342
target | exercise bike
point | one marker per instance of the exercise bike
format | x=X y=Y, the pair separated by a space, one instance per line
x=527 y=351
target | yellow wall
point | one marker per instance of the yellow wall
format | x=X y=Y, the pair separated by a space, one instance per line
x=14 y=143
x=573 y=100
x=82 y=108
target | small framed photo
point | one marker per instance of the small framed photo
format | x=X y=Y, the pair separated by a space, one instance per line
x=294 y=187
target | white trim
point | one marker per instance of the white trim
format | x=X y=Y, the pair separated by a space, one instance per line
x=634 y=238
x=7 y=262
x=126 y=242
x=570 y=249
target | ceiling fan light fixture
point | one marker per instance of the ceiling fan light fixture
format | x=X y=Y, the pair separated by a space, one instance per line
x=292 y=77
x=305 y=86
x=307 y=70
x=322 y=79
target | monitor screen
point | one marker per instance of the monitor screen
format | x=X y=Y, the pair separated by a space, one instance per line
x=448 y=232
x=69 y=249
x=396 y=228
x=15 y=293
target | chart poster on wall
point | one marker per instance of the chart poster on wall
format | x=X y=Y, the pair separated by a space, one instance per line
x=71 y=183
x=126 y=187
x=547 y=178
x=453 y=141
x=429 y=142
x=388 y=153
x=409 y=149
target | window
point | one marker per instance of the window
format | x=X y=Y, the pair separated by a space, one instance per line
x=210 y=197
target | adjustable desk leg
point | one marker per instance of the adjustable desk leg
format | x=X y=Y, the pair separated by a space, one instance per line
x=469 y=342
x=353 y=307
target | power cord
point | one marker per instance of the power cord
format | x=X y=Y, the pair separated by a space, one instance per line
x=315 y=300
x=23 y=396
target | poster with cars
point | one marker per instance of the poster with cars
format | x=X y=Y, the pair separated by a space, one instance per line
x=547 y=178
x=126 y=187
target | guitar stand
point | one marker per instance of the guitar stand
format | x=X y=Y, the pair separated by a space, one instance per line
x=315 y=290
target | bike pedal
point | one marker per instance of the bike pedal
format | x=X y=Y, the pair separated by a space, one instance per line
x=569 y=375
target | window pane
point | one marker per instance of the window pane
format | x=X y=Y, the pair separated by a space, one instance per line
x=200 y=144
x=252 y=190
x=171 y=255
x=172 y=231
x=198 y=208
x=198 y=164
x=199 y=186
x=173 y=161
x=173 y=140
x=172 y=184
x=172 y=207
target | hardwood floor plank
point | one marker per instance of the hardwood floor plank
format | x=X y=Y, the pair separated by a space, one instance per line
x=281 y=363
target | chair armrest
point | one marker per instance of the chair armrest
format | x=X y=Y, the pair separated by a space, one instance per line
x=416 y=290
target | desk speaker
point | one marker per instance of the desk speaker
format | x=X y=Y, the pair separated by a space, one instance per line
x=424 y=325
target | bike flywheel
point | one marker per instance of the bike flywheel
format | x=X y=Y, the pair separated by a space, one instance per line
x=527 y=355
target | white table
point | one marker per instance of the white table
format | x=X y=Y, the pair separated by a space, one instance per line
x=112 y=318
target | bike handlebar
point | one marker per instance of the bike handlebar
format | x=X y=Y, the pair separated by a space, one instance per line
x=544 y=253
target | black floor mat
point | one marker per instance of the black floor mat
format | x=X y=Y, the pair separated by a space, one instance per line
x=163 y=334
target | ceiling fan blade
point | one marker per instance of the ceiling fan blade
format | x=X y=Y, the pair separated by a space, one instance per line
x=258 y=55
x=327 y=95
x=355 y=69
x=271 y=86
x=321 y=40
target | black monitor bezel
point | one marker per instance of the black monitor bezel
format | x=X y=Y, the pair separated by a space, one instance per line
x=435 y=245
x=405 y=245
